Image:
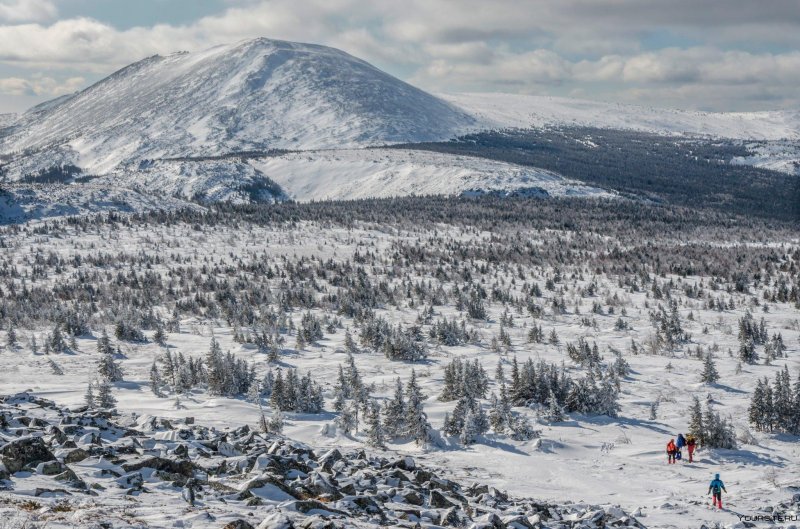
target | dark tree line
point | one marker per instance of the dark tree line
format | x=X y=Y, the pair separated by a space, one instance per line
x=675 y=170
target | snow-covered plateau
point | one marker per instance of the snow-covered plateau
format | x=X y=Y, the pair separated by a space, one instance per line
x=530 y=111
x=364 y=173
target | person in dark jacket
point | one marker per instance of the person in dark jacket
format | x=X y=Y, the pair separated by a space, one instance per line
x=717 y=487
x=680 y=442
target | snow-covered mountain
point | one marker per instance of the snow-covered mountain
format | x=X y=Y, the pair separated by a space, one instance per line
x=200 y=125
x=255 y=95
x=170 y=126
x=528 y=111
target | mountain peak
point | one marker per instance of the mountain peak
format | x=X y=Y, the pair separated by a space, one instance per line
x=277 y=44
x=257 y=94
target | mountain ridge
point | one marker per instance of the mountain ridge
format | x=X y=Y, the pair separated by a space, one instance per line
x=255 y=94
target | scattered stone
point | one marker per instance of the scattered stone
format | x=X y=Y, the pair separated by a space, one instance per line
x=24 y=452
x=438 y=500
x=51 y=468
x=306 y=506
x=238 y=524
x=276 y=521
x=76 y=456
x=40 y=492
x=184 y=468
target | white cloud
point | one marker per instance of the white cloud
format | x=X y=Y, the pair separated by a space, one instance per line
x=14 y=86
x=570 y=46
x=27 y=10
x=40 y=86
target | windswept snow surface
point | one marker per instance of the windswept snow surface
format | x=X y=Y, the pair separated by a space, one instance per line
x=364 y=173
x=527 y=111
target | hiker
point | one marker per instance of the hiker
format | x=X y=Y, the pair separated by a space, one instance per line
x=716 y=487
x=679 y=444
x=671 y=450
x=691 y=444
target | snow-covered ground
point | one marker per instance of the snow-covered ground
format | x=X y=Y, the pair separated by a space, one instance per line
x=586 y=458
x=783 y=156
x=7 y=119
x=364 y=173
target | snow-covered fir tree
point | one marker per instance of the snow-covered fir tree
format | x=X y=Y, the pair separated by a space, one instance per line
x=710 y=375
x=394 y=413
x=347 y=420
x=776 y=407
x=105 y=399
x=89 y=397
x=554 y=412
x=276 y=421
x=374 y=425
x=155 y=380
x=108 y=367
x=416 y=420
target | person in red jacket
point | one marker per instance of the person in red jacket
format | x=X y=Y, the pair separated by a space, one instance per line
x=671 y=451
x=691 y=444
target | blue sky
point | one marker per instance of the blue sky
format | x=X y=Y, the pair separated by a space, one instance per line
x=710 y=55
x=127 y=14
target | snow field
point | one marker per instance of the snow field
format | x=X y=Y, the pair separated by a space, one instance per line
x=593 y=459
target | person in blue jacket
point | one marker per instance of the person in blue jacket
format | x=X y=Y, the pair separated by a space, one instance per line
x=680 y=442
x=716 y=487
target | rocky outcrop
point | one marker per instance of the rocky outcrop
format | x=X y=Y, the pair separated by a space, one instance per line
x=239 y=470
x=25 y=452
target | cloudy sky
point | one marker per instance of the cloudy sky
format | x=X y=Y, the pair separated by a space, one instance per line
x=709 y=54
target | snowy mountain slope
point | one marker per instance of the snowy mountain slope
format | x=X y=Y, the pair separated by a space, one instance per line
x=526 y=111
x=253 y=95
x=7 y=119
x=347 y=174
x=208 y=180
